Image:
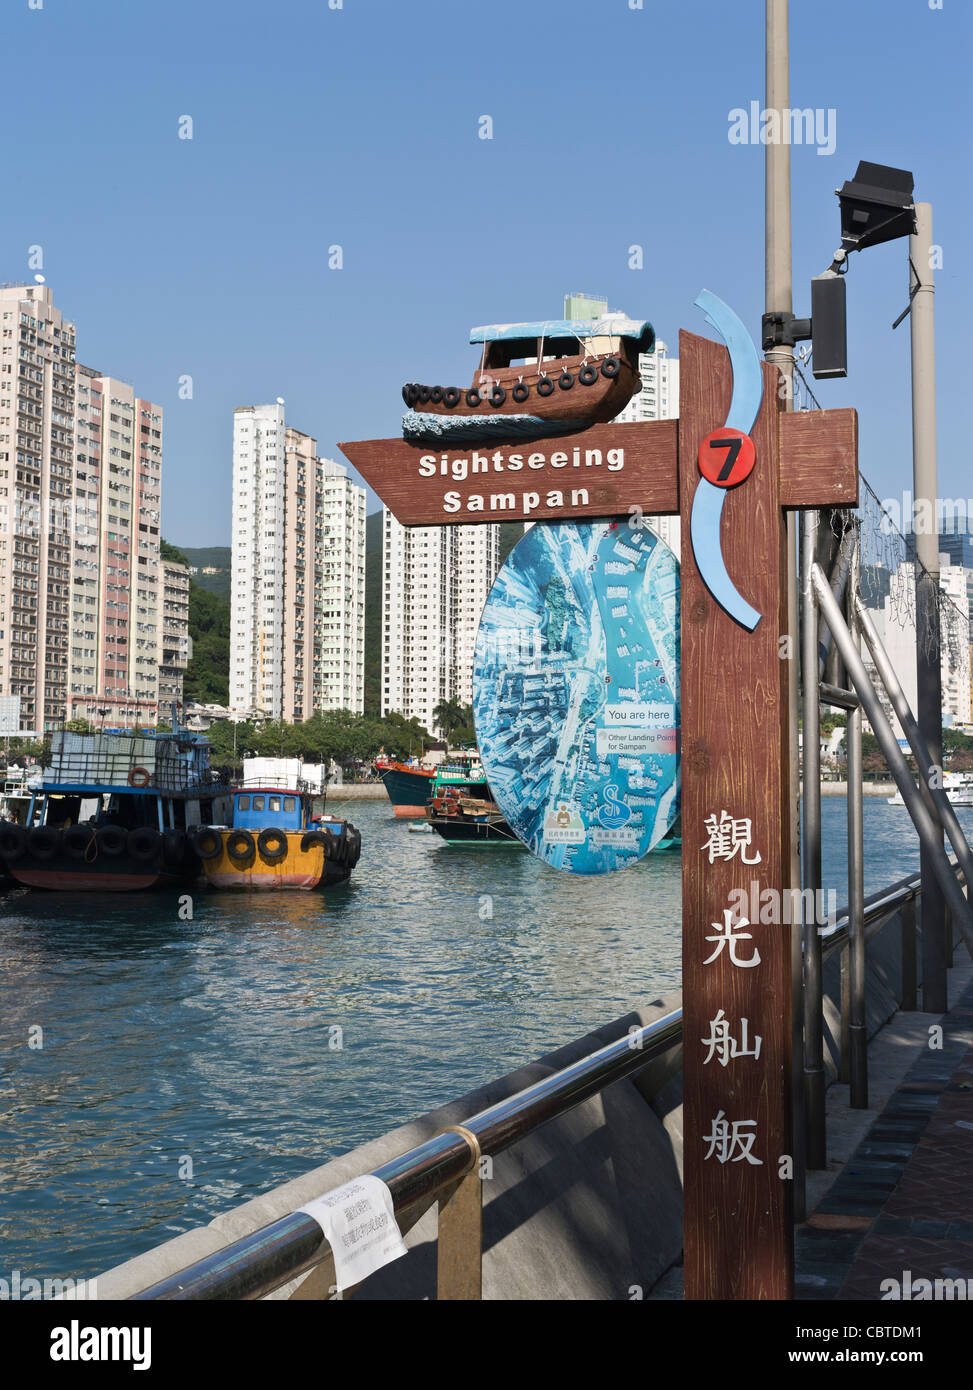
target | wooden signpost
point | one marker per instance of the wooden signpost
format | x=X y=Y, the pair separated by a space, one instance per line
x=738 y=909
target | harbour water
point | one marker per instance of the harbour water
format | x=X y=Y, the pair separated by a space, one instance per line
x=187 y=1065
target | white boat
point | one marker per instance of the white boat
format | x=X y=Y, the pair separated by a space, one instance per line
x=958 y=786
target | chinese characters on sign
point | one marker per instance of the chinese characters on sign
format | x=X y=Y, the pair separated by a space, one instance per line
x=730 y=1141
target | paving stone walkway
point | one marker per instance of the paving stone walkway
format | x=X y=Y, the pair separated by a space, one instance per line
x=902 y=1207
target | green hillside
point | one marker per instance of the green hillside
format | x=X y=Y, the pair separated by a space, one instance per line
x=215 y=556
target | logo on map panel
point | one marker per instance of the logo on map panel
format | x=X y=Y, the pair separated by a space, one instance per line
x=576 y=692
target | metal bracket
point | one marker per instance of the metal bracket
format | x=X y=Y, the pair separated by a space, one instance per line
x=783 y=330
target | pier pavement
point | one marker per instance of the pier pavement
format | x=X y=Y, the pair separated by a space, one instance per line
x=896 y=1199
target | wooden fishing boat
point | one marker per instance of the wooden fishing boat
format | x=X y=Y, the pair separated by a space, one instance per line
x=407 y=786
x=535 y=380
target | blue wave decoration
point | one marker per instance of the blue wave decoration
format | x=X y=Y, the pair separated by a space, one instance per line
x=707 y=512
x=425 y=427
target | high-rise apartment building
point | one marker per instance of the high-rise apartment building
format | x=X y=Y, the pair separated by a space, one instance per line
x=117 y=587
x=176 y=643
x=37 y=351
x=657 y=399
x=895 y=624
x=298 y=585
x=435 y=581
x=257 y=586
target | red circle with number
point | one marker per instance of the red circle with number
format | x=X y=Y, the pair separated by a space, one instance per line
x=726 y=457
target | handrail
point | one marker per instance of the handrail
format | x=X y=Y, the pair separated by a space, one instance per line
x=273 y=1255
x=260 y=1262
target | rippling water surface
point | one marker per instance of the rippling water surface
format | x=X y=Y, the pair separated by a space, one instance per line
x=212 y=1040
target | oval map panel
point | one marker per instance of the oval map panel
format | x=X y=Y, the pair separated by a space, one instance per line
x=576 y=692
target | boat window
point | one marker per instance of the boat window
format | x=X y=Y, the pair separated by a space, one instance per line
x=275 y=803
x=258 y=803
x=512 y=352
x=290 y=803
x=243 y=803
x=561 y=347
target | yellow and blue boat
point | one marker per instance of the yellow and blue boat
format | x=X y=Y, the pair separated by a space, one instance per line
x=274 y=841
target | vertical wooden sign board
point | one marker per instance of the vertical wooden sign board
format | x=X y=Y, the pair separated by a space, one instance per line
x=738 y=1234
x=736 y=968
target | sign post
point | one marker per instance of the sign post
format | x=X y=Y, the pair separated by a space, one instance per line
x=730 y=466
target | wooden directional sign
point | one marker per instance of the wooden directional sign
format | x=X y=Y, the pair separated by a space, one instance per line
x=604 y=471
x=738 y=910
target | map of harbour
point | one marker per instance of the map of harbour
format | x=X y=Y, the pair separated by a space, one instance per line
x=576 y=692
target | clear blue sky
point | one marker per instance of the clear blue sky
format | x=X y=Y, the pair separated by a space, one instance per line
x=358 y=126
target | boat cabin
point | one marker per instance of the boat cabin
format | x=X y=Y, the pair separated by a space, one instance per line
x=257 y=808
x=554 y=340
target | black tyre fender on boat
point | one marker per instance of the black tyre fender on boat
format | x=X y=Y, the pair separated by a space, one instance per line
x=144 y=843
x=588 y=374
x=407 y=393
x=415 y=393
x=424 y=394
x=452 y=396
x=353 y=836
x=44 y=842
x=545 y=386
x=240 y=846
x=436 y=395
x=520 y=392
x=565 y=381
x=611 y=367
x=498 y=395
x=207 y=843
x=13 y=842
x=78 y=840
x=265 y=843
x=173 y=844
x=317 y=837
x=473 y=396
x=112 y=840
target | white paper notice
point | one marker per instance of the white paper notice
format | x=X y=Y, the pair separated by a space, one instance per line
x=359 y=1222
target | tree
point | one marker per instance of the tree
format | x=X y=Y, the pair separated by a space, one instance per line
x=449 y=715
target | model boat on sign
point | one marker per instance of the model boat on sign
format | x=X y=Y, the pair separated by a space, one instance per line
x=534 y=380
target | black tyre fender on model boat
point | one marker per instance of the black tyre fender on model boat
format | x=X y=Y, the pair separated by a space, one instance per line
x=240 y=846
x=565 y=381
x=207 y=843
x=112 y=840
x=44 y=842
x=473 y=396
x=588 y=374
x=78 y=841
x=143 y=843
x=436 y=395
x=272 y=844
x=452 y=396
x=611 y=367
x=425 y=394
x=545 y=386
x=520 y=392
x=498 y=395
x=318 y=837
x=13 y=842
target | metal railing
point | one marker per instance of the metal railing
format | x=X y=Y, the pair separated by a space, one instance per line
x=444 y=1168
